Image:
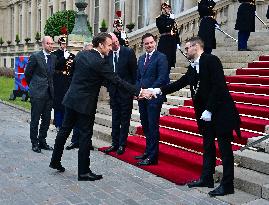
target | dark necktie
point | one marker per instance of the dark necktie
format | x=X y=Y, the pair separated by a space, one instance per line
x=147 y=61
x=49 y=63
x=115 y=61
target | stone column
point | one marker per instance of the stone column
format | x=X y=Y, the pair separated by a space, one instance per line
x=33 y=19
x=154 y=10
x=69 y=4
x=128 y=11
x=44 y=7
x=24 y=21
x=189 y=4
x=8 y=32
x=103 y=11
x=16 y=21
x=55 y=6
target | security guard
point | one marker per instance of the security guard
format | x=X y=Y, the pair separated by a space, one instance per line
x=120 y=33
x=207 y=24
x=245 y=22
x=169 y=36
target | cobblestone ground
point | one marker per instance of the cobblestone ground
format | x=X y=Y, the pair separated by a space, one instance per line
x=26 y=179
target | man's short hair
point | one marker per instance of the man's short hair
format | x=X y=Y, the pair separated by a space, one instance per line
x=146 y=35
x=196 y=40
x=100 y=38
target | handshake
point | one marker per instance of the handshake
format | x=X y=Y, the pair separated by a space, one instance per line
x=149 y=93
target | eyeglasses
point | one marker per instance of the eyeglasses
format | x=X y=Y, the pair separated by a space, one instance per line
x=187 y=48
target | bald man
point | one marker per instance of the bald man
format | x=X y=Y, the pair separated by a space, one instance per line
x=39 y=76
x=123 y=61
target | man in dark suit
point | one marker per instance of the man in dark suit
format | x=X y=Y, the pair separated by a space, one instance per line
x=152 y=72
x=245 y=22
x=80 y=102
x=215 y=112
x=169 y=34
x=39 y=76
x=123 y=61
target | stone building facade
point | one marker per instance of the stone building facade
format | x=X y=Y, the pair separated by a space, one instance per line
x=26 y=17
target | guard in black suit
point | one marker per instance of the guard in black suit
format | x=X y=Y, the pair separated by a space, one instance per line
x=124 y=63
x=215 y=112
x=169 y=40
x=39 y=76
x=245 y=22
x=120 y=33
x=91 y=69
x=61 y=79
x=207 y=25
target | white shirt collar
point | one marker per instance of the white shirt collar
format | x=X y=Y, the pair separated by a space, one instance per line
x=45 y=53
x=99 y=52
x=150 y=54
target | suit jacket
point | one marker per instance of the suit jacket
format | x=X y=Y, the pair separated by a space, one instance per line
x=155 y=75
x=90 y=72
x=212 y=95
x=245 y=20
x=126 y=70
x=37 y=76
x=207 y=31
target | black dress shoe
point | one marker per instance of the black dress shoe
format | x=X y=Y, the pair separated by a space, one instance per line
x=121 y=150
x=72 y=146
x=57 y=166
x=36 y=148
x=45 y=146
x=146 y=162
x=222 y=190
x=110 y=149
x=89 y=177
x=202 y=183
x=143 y=156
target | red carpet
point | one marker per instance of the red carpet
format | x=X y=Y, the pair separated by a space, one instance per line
x=182 y=164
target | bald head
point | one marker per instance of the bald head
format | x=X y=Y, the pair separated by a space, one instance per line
x=115 y=42
x=47 y=44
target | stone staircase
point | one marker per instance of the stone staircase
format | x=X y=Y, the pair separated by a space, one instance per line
x=251 y=167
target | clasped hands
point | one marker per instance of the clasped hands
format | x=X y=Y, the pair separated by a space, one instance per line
x=149 y=93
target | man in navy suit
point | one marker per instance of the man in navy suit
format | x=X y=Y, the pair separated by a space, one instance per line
x=123 y=61
x=152 y=72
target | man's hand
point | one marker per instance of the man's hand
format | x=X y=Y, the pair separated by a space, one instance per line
x=206 y=116
x=172 y=16
x=145 y=93
x=66 y=54
x=155 y=91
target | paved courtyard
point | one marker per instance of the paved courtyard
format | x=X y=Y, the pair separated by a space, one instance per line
x=26 y=179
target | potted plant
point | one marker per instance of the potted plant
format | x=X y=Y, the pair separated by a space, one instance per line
x=8 y=43
x=37 y=37
x=130 y=26
x=103 y=27
x=1 y=41
x=17 y=39
x=27 y=40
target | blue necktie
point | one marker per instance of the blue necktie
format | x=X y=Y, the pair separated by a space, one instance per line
x=147 y=61
x=49 y=63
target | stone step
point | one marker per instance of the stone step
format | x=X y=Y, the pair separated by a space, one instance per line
x=249 y=181
x=105 y=120
x=264 y=145
x=258 y=161
x=239 y=197
x=101 y=136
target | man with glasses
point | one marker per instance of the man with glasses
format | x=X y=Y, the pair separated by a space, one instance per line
x=215 y=112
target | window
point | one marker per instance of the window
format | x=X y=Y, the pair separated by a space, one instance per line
x=39 y=20
x=50 y=10
x=29 y=24
x=63 y=6
x=12 y=23
x=12 y=63
x=143 y=19
x=177 y=6
x=5 y=62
